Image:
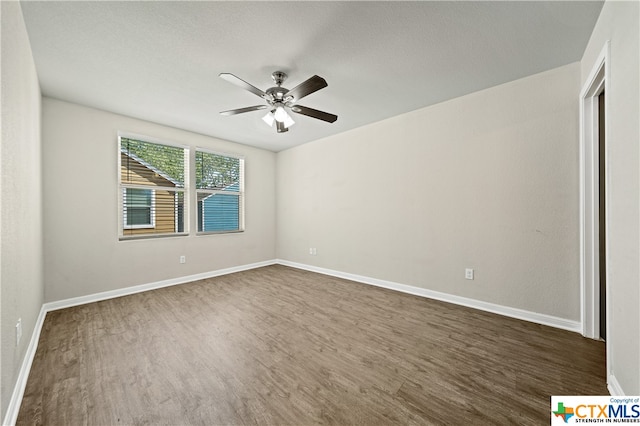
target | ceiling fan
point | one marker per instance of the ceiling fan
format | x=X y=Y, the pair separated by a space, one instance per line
x=280 y=99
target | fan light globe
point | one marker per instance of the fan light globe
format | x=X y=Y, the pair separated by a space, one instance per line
x=288 y=121
x=280 y=114
x=269 y=119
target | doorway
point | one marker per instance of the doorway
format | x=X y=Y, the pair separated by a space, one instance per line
x=602 y=218
x=594 y=248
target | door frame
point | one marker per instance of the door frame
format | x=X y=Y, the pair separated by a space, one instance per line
x=598 y=80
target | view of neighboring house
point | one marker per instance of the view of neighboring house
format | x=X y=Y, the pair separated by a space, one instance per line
x=219 y=212
x=149 y=211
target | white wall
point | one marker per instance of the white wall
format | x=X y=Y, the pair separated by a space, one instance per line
x=21 y=287
x=487 y=181
x=618 y=22
x=83 y=255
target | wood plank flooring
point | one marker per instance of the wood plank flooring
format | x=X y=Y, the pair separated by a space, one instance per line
x=281 y=346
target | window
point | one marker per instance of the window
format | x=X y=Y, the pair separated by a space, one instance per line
x=139 y=208
x=152 y=188
x=219 y=192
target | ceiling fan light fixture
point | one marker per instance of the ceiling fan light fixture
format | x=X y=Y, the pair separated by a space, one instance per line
x=269 y=119
x=280 y=114
x=288 y=121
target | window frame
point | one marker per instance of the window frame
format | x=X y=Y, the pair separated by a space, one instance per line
x=240 y=193
x=185 y=190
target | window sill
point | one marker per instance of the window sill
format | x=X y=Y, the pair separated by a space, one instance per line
x=219 y=232
x=151 y=236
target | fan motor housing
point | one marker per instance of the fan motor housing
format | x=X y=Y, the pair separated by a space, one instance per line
x=277 y=92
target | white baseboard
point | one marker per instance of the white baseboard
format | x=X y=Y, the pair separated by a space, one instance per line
x=97 y=297
x=18 y=391
x=522 y=314
x=614 y=386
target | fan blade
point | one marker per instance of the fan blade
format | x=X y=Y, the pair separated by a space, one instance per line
x=320 y=115
x=241 y=83
x=307 y=87
x=281 y=127
x=241 y=110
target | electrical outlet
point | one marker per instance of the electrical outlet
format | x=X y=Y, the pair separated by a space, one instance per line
x=183 y=259
x=313 y=251
x=468 y=273
x=18 y=331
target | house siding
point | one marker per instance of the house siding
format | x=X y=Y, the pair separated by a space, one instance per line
x=221 y=211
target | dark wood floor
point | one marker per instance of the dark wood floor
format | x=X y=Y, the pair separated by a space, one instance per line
x=281 y=346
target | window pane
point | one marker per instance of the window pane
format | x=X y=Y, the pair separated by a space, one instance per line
x=218 y=212
x=214 y=171
x=147 y=212
x=145 y=163
x=219 y=196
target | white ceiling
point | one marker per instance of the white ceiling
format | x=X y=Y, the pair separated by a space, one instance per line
x=160 y=61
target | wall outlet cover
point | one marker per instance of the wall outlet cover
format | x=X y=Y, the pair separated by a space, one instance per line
x=18 y=331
